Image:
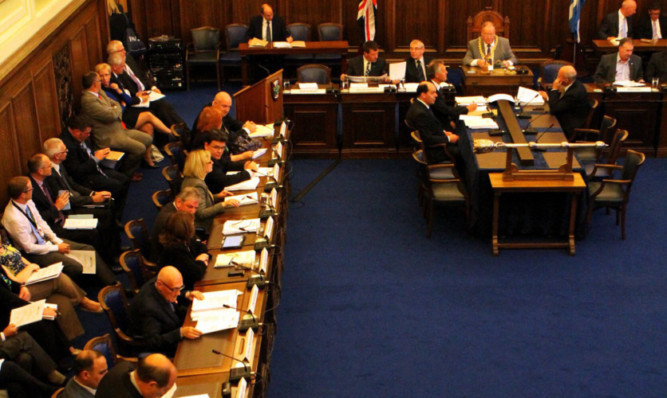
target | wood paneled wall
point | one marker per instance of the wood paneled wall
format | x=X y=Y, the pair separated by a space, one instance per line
x=537 y=27
x=29 y=109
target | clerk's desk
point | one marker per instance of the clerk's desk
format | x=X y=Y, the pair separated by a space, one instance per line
x=478 y=81
x=641 y=46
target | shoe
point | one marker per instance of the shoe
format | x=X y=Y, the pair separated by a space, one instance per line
x=136 y=177
x=91 y=306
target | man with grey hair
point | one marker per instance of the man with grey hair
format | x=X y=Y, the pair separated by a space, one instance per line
x=187 y=200
x=489 y=49
x=568 y=100
x=415 y=65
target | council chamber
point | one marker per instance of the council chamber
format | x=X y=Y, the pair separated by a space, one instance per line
x=151 y=146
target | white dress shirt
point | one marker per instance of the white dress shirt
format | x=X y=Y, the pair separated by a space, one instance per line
x=20 y=228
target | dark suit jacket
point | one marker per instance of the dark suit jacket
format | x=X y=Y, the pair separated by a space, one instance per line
x=56 y=182
x=117 y=384
x=644 y=28
x=143 y=74
x=609 y=26
x=430 y=130
x=445 y=113
x=80 y=166
x=657 y=66
x=606 y=70
x=160 y=220
x=572 y=108
x=152 y=318
x=411 y=70
x=278 y=28
x=355 y=66
x=48 y=211
x=183 y=258
x=218 y=179
x=74 y=390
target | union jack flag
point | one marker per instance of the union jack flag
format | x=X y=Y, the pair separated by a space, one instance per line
x=366 y=18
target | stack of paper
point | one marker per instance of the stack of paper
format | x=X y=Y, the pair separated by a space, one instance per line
x=27 y=314
x=526 y=96
x=234 y=227
x=247 y=185
x=478 y=122
x=80 y=223
x=465 y=101
x=262 y=131
x=244 y=258
x=363 y=88
x=244 y=200
x=259 y=153
x=211 y=314
x=46 y=273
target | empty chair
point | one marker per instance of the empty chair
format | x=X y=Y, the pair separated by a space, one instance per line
x=174 y=151
x=115 y=305
x=329 y=31
x=591 y=155
x=235 y=34
x=474 y=23
x=174 y=178
x=314 y=73
x=615 y=193
x=595 y=172
x=162 y=197
x=136 y=269
x=299 y=31
x=204 y=50
x=138 y=234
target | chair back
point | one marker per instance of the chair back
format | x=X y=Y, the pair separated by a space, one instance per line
x=205 y=38
x=633 y=160
x=58 y=393
x=131 y=262
x=615 y=145
x=299 y=31
x=115 y=305
x=549 y=70
x=104 y=345
x=606 y=126
x=162 y=197
x=174 y=151
x=137 y=233
x=314 y=73
x=174 y=178
x=329 y=31
x=235 y=33
x=594 y=106
x=474 y=23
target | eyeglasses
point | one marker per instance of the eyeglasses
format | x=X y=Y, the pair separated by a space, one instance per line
x=173 y=289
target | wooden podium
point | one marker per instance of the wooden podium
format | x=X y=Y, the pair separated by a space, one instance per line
x=263 y=101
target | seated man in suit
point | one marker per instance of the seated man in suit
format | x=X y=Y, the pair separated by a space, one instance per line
x=215 y=142
x=620 y=66
x=650 y=26
x=157 y=315
x=415 y=66
x=267 y=26
x=186 y=200
x=657 y=67
x=420 y=117
x=618 y=25
x=55 y=208
x=152 y=377
x=37 y=240
x=489 y=49
x=367 y=64
x=84 y=166
x=447 y=115
x=568 y=100
x=90 y=366
x=108 y=131
x=137 y=79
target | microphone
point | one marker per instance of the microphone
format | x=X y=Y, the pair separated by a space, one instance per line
x=526 y=115
x=258 y=280
x=537 y=139
x=532 y=130
x=236 y=373
x=246 y=322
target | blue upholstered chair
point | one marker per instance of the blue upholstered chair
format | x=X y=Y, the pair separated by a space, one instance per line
x=204 y=50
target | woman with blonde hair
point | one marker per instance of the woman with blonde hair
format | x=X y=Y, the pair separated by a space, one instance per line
x=197 y=165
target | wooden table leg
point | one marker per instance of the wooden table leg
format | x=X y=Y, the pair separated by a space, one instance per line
x=573 y=219
x=496 y=210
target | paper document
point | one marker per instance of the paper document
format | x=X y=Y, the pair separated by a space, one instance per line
x=360 y=79
x=255 y=42
x=49 y=317
x=397 y=70
x=307 y=86
x=264 y=171
x=298 y=44
x=628 y=83
x=215 y=300
x=171 y=392
x=86 y=258
x=477 y=99
x=301 y=91
x=410 y=87
x=241 y=388
x=80 y=223
x=27 y=314
x=153 y=96
x=262 y=131
x=46 y=273
x=363 y=88
x=259 y=153
x=281 y=44
x=478 y=122
x=246 y=185
x=501 y=96
x=526 y=96
x=234 y=227
x=634 y=89
x=244 y=200
x=244 y=258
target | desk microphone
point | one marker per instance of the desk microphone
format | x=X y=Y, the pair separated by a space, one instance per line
x=246 y=322
x=526 y=115
x=532 y=130
x=236 y=373
x=537 y=139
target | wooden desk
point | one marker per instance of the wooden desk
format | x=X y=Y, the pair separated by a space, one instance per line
x=605 y=46
x=477 y=81
x=312 y=47
x=500 y=186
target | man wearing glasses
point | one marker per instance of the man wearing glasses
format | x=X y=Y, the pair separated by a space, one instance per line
x=157 y=315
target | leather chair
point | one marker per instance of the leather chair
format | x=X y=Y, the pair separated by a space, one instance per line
x=549 y=71
x=596 y=173
x=162 y=197
x=299 y=31
x=136 y=269
x=474 y=23
x=114 y=302
x=204 y=50
x=174 y=178
x=329 y=31
x=417 y=138
x=235 y=34
x=615 y=194
x=592 y=155
x=314 y=73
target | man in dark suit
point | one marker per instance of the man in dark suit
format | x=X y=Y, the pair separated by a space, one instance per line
x=267 y=26
x=619 y=66
x=156 y=314
x=186 y=200
x=618 y=25
x=657 y=67
x=215 y=142
x=153 y=377
x=568 y=100
x=651 y=26
x=90 y=367
x=446 y=114
x=368 y=64
x=415 y=66
x=84 y=165
x=421 y=117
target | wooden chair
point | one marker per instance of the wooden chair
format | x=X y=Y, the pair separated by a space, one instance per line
x=474 y=23
x=417 y=138
x=104 y=345
x=174 y=178
x=174 y=151
x=601 y=172
x=114 y=302
x=314 y=73
x=162 y=197
x=137 y=232
x=615 y=194
x=58 y=393
x=204 y=50
x=592 y=155
x=138 y=272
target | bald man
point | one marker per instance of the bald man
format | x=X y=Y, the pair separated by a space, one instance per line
x=618 y=25
x=489 y=48
x=153 y=377
x=415 y=66
x=267 y=26
x=568 y=100
x=157 y=315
